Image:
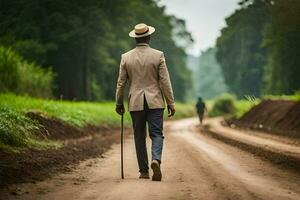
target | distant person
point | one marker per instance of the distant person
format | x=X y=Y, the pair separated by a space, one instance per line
x=146 y=70
x=200 y=106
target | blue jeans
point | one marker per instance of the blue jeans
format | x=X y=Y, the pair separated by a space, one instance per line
x=154 y=117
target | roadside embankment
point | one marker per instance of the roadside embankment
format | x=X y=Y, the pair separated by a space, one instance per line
x=282 y=151
x=274 y=116
x=57 y=146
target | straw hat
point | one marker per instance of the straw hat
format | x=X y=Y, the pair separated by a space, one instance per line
x=141 y=30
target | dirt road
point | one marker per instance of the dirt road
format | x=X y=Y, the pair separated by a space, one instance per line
x=195 y=166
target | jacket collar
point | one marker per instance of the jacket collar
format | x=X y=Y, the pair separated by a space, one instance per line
x=142 y=44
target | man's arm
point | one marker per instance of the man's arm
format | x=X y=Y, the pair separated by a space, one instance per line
x=122 y=80
x=165 y=85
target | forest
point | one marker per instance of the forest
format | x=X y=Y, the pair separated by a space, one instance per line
x=71 y=49
x=258 y=50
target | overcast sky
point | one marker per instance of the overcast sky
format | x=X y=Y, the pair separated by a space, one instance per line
x=204 y=19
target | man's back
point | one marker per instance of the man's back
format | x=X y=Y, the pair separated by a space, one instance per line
x=142 y=66
x=200 y=107
x=147 y=72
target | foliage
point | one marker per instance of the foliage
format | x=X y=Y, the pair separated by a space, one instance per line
x=243 y=106
x=223 y=105
x=183 y=111
x=22 y=77
x=227 y=105
x=283 y=43
x=258 y=48
x=239 y=50
x=295 y=97
x=83 y=41
x=209 y=79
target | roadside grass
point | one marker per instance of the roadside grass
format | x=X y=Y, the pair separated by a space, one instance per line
x=183 y=111
x=17 y=131
x=78 y=114
x=243 y=106
x=295 y=97
x=229 y=106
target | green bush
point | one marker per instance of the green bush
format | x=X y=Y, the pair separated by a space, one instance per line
x=243 y=106
x=223 y=105
x=21 y=77
x=9 y=76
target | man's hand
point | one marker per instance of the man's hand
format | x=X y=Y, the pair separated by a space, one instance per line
x=171 y=110
x=120 y=109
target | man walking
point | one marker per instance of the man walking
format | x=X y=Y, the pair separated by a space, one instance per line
x=200 y=107
x=146 y=71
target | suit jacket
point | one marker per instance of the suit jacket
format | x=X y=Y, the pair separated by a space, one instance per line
x=146 y=70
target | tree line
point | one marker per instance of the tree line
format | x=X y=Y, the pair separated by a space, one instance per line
x=82 y=41
x=258 y=50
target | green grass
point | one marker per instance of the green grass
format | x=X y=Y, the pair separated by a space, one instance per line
x=229 y=106
x=243 y=106
x=18 y=131
x=295 y=97
x=183 y=111
x=74 y=113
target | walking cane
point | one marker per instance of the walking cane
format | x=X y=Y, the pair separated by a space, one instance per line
x=122 y=124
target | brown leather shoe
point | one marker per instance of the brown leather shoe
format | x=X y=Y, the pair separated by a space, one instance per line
x=144 y=175
x=155 y=166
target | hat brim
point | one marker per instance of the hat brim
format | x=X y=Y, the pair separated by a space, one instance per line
x=134 y=35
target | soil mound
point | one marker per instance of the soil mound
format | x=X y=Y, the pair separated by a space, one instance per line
x=32 y=165
x=275 y=116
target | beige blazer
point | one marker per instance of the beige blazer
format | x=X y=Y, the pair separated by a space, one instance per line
x=146 y=70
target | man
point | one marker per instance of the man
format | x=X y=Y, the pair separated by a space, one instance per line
x=145 y=68
x=200 y=106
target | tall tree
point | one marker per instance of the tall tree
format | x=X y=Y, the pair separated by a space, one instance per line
x=263 y=59
x=239 y=49
x=282 y=39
